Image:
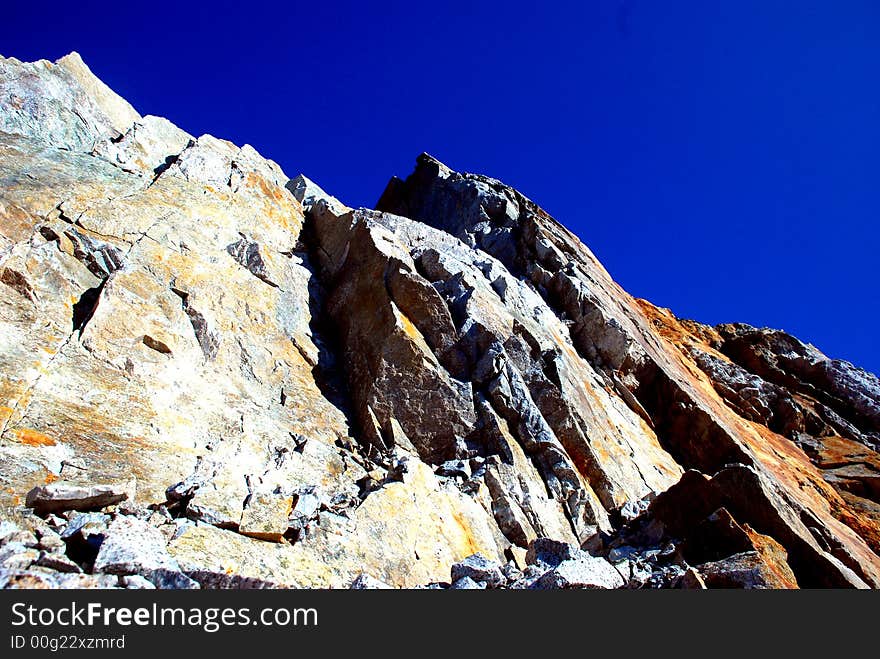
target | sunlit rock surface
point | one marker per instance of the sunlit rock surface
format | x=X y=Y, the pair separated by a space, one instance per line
x=282 y=391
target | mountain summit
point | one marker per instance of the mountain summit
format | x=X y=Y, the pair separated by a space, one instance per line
x=214 y=376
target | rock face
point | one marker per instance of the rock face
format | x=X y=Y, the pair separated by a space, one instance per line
x=214 y=376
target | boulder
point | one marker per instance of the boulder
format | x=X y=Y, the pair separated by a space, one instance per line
x=481 y=569
x=582 y=572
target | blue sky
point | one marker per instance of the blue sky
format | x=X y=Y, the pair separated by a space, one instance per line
x=721 y=158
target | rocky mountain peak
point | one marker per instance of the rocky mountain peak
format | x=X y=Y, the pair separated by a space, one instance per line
x=214 y=376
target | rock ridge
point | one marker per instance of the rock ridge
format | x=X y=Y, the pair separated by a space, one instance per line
x=214 y=376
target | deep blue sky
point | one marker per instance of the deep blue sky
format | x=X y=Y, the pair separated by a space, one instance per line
x=721 y=158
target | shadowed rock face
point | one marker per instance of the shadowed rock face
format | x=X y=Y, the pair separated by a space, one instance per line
x=298 y=393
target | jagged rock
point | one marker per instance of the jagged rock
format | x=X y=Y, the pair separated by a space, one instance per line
x=632 y=509
x=170 y=579
x=57 y=497
x=132 y=546
x=309 y=194
x=782 y=359
x=546 y=551
x=85 y=525
x=691 y=580
x=266 y=516
x=454 y=468
x=511 y=572
x=581 y=572
x=466 y=583
x=379 y=394
x=480 y=569
x=530 y=575
x=745 y=570
x=305 y=509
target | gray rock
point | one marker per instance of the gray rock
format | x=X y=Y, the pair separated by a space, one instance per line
x=632 y=509
x=133 y=547
x=84 y=525
x=247 y=254
x=308 y=502
x=466 y=583
x=309 y=194
x=636 y=573
x=479 y=568
x=63 y=104
x=547 y=551
x=583 y=572
x=170 y=579
x=622 y=553
x=511 y=572
x=60 y=496
x=529 y=576
x=454 y=468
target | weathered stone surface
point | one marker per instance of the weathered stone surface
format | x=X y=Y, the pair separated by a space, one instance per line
x=644 y=351
x=132 y=546
x=480 y=569
x=209 y=555
x=582 y=572
x=547 y=551
x=406 y=534
x=306 y=394
x=266 y=516
x=467 y=583
x=59 y=496
x=746 y=570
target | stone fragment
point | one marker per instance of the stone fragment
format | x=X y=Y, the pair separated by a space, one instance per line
x=582 y=572
x=58 y=562
x=266 y=516
x=466 y=583
x=481 y=569
x=747 y=570
x=547 y=551
x=132 y=546
x=691 y=580
x=60 y=496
